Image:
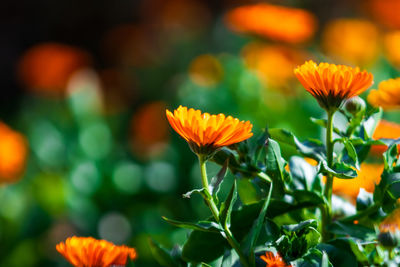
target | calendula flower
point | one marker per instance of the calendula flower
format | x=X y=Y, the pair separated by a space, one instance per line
x=13 y=154
x=90 y=252
x=391 y=43
x=387 y=96
x=206 y=133
x=351 y=40
x=368 y=175
x=331 y=84
x=384 y=129
x=273 y=260
x=266 y=20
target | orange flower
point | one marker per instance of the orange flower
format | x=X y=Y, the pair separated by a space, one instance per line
x=351 y=40
x=90 y=252
x=391 y=43
x=273 y=261
x=368 y=175
x=266 y=20
x=391 y=223
x=387 y=96
x=13 y=154
x=384 y=129
x=330 y=84
x=206 y=133
x=46 y=68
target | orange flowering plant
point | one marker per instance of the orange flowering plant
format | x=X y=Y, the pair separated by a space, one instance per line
x=292 y=202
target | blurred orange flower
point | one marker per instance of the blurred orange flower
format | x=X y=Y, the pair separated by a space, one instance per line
x=278 y=23
x=90 y=252
x=206 y=133
x=331 y=84
x=206 y=70
x=384 y=129
x=13 y=154
x=368 y=175
x=391 y=223
x=273 y=261
x=149 y=129
x=46 y=68
x=387 y=96
x=264 y=59
x=391 y=42
x=353 y=41
x=386 y=11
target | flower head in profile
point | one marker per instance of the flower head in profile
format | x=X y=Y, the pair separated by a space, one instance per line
x=206 y=133
x=90 y=252
x=273 y=260
x=387 y=96
x=261 y=19
x=331 y=84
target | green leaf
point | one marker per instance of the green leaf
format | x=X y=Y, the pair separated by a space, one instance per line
x=308 y=197
x=204 y=247
x=226 y=207
x=370 y=124
x=351 y=151
x=302 y=171
x=339 y=170
x=248 y=192
x=338 y=256
x=275 y=164
x=161 y=255
x=364 y=200
x=300 y=226
x=255 y=230
x=390 y=157
x=205 y=226
x=216 y=180
x=354 y=230
x=309 y=148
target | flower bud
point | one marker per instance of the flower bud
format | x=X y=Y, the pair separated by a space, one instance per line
x=354 y=106
x=388 y=239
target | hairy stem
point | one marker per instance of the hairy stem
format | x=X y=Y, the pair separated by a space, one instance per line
x=214 y=210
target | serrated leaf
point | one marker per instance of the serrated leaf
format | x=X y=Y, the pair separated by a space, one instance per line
x=205 y=226
x=217 y=179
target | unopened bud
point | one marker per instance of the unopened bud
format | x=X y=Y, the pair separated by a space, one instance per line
x=388 y=239
x=354 y=106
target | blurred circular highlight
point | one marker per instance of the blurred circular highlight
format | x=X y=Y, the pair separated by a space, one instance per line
x=46 y=68
x=160 y=177
x=114 y=227
x=206 y=70
x=128 y=177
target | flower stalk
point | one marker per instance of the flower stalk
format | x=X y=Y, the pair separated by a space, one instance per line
x=327 y=212
x=214 y=210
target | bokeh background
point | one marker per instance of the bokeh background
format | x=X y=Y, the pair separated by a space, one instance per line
x=85 y=148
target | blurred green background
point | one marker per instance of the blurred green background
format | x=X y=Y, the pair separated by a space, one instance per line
x=85 y=148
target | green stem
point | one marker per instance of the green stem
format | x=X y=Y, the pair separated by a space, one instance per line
x=214 y=210
x=327 y=212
